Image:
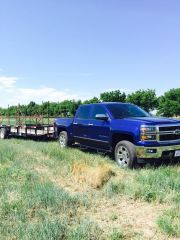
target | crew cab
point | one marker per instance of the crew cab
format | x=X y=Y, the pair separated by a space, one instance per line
x=124 y=129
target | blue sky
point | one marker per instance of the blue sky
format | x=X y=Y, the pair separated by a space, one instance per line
x=58 y=49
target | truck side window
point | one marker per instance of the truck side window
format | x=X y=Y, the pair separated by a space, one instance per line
x=98 y=110
x=84 y=112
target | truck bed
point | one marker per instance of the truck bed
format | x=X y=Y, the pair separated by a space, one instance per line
x=66 y=122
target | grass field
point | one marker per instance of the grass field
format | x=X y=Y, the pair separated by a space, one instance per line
x=49 y=193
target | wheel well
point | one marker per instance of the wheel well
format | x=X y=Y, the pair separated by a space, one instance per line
x=61 y=129
x=117 y=137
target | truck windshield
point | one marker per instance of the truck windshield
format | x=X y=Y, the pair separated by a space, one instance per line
x=126 y=110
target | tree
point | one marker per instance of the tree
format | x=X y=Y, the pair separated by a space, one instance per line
x=93 y=100
x=74 y=106
x=169 y=103
x=146 y=99
x=113 y=96
x=32 y=109
x=68 y=107
x=11 y=111
x=2 y=111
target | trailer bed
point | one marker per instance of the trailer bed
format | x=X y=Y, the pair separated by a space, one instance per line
x=36 y=127
x=28 y=131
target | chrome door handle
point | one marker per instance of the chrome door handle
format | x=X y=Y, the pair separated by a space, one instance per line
x=75 y=123
x=90 y=124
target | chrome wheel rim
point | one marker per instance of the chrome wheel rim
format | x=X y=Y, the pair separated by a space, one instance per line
x=62 y=141
x=123 y=157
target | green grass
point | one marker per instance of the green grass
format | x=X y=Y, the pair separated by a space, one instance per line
x=116 y=234
x=169 y=222
x=160 y=184
x=85 y=230
x=34 y=204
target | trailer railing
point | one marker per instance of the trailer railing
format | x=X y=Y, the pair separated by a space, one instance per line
x=26 y=120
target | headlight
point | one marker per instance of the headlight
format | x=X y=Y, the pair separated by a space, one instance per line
x=148 y=133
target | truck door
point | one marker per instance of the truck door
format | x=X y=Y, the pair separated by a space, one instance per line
x=99 y=130
x=81 y=124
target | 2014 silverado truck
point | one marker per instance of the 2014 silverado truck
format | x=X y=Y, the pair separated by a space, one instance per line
x=122 y=128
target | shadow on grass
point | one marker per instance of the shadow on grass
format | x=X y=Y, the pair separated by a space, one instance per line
x=159 y=163
x=34 y=138
x=150 y=163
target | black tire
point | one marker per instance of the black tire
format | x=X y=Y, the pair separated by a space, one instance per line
x=125 y=154
x=63 y=139
x=3 y=133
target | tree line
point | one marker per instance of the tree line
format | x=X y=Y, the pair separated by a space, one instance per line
x=166 y=105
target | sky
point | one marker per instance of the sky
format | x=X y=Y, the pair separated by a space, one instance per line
x=76 y=49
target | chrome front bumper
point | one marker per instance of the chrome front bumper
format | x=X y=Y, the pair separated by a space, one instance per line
x=155 y=152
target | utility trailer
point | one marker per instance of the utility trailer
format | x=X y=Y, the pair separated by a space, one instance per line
x=26 y=126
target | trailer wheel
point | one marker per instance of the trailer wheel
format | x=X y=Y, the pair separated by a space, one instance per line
x=125 y=154
x=63 y=139
x=3 y=133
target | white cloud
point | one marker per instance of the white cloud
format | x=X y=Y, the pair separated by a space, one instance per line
x=26 y=95
x=7 y=82
x=10 y=94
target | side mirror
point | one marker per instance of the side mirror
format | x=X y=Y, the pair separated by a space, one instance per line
x=103 y=117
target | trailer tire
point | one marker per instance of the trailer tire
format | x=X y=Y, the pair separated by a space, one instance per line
x=63 y=139
x=3 y=133
x=125 y=154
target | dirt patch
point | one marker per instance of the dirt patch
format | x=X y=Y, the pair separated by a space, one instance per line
x=43 y=170
x=135 y=218
x=13 y=196
x=67 y=183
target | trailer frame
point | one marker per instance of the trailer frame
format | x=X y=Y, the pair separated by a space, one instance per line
x=36 y=126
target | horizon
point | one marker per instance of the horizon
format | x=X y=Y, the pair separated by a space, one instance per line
x=76 y=100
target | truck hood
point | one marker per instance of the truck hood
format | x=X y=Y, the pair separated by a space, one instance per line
x=152 y=120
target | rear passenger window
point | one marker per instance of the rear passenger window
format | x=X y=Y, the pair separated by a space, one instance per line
x=98 y=110
x=84 y=112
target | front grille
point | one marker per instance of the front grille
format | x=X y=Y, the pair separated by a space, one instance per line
x=169 y=133
x=169 y=128
x=169 y=137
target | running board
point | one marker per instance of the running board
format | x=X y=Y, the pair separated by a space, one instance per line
x=82 y=147
x=102 y=152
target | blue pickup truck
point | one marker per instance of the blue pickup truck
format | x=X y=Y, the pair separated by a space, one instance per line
x=123 y=129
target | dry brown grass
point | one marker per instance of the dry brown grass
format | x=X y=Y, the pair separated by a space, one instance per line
x=95 y=177
x=133 y=217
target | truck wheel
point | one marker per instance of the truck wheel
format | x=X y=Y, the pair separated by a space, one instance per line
x=3 y=133
x=125 y=154
x=63 y=139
